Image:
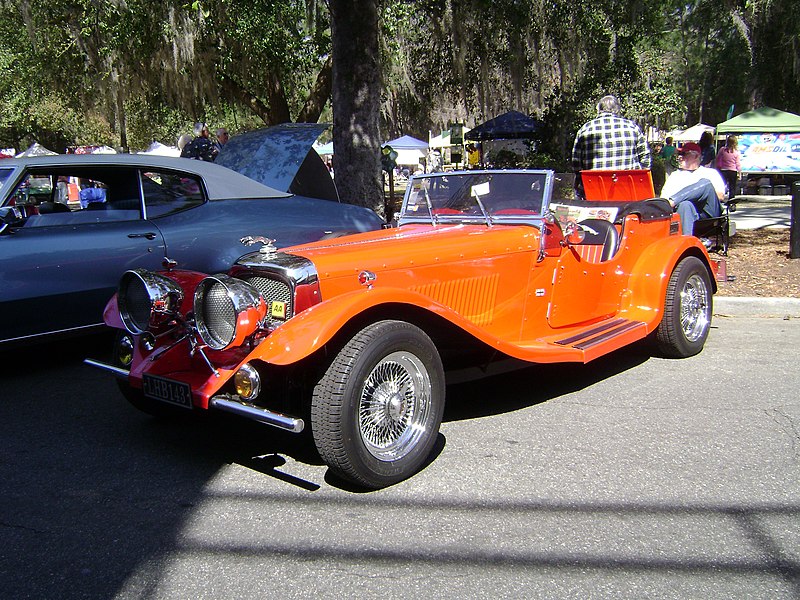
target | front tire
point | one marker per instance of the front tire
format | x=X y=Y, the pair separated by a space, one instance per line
x=687 y=310
x=375 y=413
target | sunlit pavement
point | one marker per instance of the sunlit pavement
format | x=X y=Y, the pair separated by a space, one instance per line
x=762 y=212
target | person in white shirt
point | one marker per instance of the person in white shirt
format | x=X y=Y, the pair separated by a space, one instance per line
x=694 y=191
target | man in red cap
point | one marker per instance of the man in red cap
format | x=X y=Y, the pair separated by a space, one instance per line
x=694 y=191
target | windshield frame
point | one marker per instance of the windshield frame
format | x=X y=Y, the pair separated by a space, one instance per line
x=433 y=199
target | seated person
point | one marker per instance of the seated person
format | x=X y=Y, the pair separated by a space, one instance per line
x=90 y=195
x=695 y=192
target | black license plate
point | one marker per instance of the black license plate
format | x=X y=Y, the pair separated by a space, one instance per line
x=167 y=390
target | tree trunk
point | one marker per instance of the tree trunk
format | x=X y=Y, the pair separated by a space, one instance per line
x=278 y=105
x=315 y=103
x=356 y=102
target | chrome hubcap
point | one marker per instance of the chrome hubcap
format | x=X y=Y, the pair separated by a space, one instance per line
x=394 y=405
x=694 y=308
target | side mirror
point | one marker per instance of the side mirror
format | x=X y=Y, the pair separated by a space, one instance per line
x=573 y=233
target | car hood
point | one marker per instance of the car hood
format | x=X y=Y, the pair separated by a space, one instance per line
x=282 y=157
x=414 y=246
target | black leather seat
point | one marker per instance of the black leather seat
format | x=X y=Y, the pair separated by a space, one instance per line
x=599 y=232
x=46 y=208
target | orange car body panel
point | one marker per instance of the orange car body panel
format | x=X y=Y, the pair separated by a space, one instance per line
x=489 y=282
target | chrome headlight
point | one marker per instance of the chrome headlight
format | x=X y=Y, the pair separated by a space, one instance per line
x=226 y=311
x=147 y=299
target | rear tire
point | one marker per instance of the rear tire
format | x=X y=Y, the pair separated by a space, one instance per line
x=376 y=411
x=687 y=310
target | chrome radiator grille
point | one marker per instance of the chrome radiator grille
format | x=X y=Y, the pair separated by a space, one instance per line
x=274 y=291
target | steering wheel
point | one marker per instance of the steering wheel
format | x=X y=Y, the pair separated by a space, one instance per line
x=9 y=215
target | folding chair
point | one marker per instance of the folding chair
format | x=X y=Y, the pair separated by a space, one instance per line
x=717 y=228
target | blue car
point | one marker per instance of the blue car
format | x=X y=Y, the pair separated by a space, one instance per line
x=71 y=225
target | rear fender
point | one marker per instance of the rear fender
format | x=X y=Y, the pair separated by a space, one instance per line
x=647 y=285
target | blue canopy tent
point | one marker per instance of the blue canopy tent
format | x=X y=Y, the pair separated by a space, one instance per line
x=512 y=125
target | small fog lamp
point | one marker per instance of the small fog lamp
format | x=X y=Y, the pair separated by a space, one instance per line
x=247 y=382
x=124 y=350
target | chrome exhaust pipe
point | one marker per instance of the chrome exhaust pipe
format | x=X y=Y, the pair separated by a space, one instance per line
x=256 y=413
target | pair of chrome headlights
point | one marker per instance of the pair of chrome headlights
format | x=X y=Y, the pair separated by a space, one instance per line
x=226 y=310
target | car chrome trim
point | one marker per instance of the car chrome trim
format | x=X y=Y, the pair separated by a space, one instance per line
x=237 y=308
x=163 y=298
x=118 y=371
x=256 y=413
x=55 y=334
x=297 y=269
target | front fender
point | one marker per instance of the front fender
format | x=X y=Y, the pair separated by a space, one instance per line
x=111 y=314
x=647 y=285
x=313 y=328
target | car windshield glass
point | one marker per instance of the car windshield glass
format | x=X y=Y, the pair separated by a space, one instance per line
x=483 y=193
x=4 y=175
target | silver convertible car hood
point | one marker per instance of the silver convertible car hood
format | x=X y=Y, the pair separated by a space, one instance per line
x=282 y=157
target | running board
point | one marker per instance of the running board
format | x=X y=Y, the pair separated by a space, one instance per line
x=582 y=344
x=600 y=334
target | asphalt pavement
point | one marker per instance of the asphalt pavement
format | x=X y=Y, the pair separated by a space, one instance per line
x=762 y=212
x=630 y=477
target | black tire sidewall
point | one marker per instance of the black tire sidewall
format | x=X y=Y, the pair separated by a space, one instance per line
x=387 y=337
x=680 y=346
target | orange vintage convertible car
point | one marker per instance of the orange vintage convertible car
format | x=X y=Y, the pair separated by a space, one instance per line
x=355 y=334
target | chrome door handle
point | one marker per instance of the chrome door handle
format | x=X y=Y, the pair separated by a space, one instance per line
x=149 y=235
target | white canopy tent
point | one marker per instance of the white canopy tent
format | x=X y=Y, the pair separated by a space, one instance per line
x=160 y=149
x=36 y=149
x=693 y=133
x=409 y=157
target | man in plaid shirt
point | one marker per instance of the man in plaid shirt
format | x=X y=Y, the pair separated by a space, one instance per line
x=609 y=141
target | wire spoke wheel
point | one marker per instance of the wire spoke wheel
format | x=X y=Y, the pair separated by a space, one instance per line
x=688 y=307
x=694 y=308
x=394 y=405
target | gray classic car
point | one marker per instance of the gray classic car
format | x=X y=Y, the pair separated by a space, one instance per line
x=70 y=225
